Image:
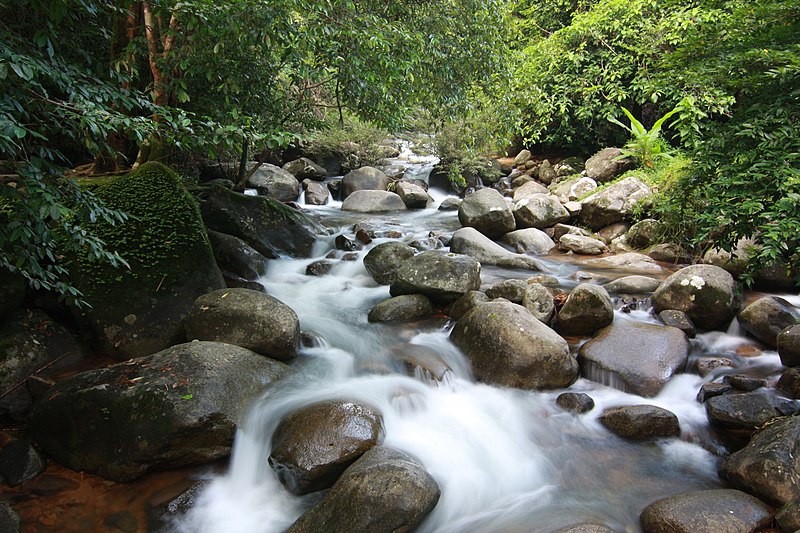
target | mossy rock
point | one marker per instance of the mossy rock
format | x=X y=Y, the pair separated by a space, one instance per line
x=138 y=311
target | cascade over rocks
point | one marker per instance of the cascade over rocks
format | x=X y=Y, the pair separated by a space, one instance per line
x=706 y=293
x=634 y=357
x=605 y=165
x=587 y=309
x=364 y=178
x=312 y=446
x=488 y=212
x=766 y=317
x=246 y=318
x=539 y=211
x=640 y=422
x=469 y=241
x=614 y=203
x=383 y=260
x=706 y=511
x=177 y=407
x=441 y=277
x=509 y=347
x=373 y=201
x=270 y=180
x=385 y=490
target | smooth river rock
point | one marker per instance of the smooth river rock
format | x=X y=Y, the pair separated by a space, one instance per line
x=384 y=259
x=706 y=293
x=471 y=242
x=614 y=203
x=405 y=307
x=270 y=180
x=488 y=212
x=640 y=422
x=539 y=211
x=766 y=317
x=363 y=179
x=529 y=241
x=788 y=342
x=587 y=309
x=706 y=511
x=441 y=277
x=373 y=201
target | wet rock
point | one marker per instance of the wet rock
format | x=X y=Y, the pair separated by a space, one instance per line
x=450 y=204
x=539 y=211
x=20 y=462
x=706 y=511
x=362 y=179
x=643 y=234
x=373 y=201
x=712 y=389
x=467 y=302
x=544 y=279
x=9 y=519
x=707 y=365
x=669 y=253
x=469 y=241
x=788 y=342
x=576 y=402
x=522 y=157
x=414 y=196
x=529 y=241
x=363 y=235
x=312 y=446
x=246 y=318
x=559 y=230
x=788 y=517
x=789 y=383
x=270 y=180
x=417 y=360
x=528 y=189
x=630 y=261
x=585 y=528
x=605 y=165
x=633 y=285
x=538 y=300
x=405 y=307
x=385 y=490
x=342 y=242
x=384 y=259
x=747 y=411
x=678 y=319
x=304 y=168
x=319 y=268
x=612 y=232
x=235 y=256
x=766 y=317
x=634 y=356
x=707 y=294
x=614 y=203
x=512 y=290
x=509 y=347
x=488 y=212
x=582 y=245
x=177 y=407
x=769 y=466
x=587 y=309
x=442 y=277
x=640 y=422
x=31 y=343
x=316 y=193
x=744 y=383
x=546 y=173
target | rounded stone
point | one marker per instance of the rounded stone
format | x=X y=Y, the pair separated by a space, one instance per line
x=587 y=309
x=576 y=402
x=442 y=277
x=405 y=307
x=364 y=178
x=706 y=511
x=641 y=422
x=788 y=342
x=706 y=293
x=383 y=260
x=488 y=212
x=766 y=317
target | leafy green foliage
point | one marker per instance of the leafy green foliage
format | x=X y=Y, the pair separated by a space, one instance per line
x=355 y=142
x=646 y=146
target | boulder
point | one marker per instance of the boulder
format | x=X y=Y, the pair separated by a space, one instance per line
x=559 y=230
x=631 y=262
x=582 y=245
x=270 y=180
x=634 y=357
x=373 y=201
x=606 y=165
x=614 y=203
x=633 y=285
x=442 y=277
x=640 y=422
x=270 y=227
x=9 y=519
x=512 y=290
x=528 y=189
x=32 y=344
x=383 y=260
x=20 y=462
x=467 y=302
x=385 y=490
x=789 y=383
x=788 y=517
x=769 y=466
x=246 y=318
x=469 y=241
x=706 y=293
x=405 y=307
x=450 y=204
x=539 y=211
x=747 y=411
x=546 y=173
x=304 y=168
x=364 y=178
x=643 y=234
x=312 y=446
x=413 y=196
x=507 y=346
x=706 y=511
x=612 y=232
x=316 y=193
x=678 y=319
x=539 y=302
x=788 y=342
x=766 y=317
x=575 y=402
x=529 y=241
x=669 y=252
x=177 y=407
x=523 y=157
x=234 y=256
x=319 y=268
x=587 y=309
x=488 y=212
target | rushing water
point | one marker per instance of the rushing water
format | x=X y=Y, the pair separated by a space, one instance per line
x=505 y=460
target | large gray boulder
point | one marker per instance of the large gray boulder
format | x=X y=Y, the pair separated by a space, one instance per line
x=634 y=356
x=630 y=261
x=488 y=212
x=528 y=189
x=512 y=290
x=385 y=490
x=582 y=245
x=234 y=256
x=766 y=317
x=706 y=511
x=587 y=309
x=539 y=211
x=441 y=277
x=747 y=411
x=413 y=195
x=539 y=302
x=606 y=165
x=383 y=260
x=312 y=446
x=573 y=188
x=362 y=179
x=316 y=193
x=471 y=242
x=373 y=201
x=706 y=293
x=270 y=180
x=640 y=422
x=177 y=407
x=246 y=318
x=304 y=168
x=633 y=284
x=788 y=342
x=643 y=234
x=405 y=307
x=529 y=241
x=614 y=203
x=769 y=466
x=509 y=347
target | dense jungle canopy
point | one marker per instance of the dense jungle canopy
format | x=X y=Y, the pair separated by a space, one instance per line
x=117 y=82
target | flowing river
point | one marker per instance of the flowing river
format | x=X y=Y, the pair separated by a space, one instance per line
x=506 y=460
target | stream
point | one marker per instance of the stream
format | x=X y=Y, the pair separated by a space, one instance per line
x=506 y=460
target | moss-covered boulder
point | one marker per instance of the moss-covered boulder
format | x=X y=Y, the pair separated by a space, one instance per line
x=706 y=293
x=138 y=310
x=177 y=407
